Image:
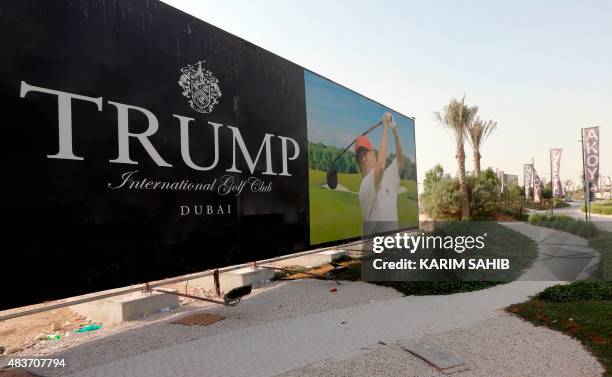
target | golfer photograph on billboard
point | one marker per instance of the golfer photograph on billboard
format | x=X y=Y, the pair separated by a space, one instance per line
x=361 y=160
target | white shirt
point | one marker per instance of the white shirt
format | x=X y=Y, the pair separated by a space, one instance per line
x=379 y=209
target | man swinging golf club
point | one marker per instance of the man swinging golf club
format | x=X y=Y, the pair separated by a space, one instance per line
x=380 y=184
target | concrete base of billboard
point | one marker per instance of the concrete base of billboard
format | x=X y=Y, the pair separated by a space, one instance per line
x=234 y=279
x=249 y=276
x=312 y=260
x=126 y=307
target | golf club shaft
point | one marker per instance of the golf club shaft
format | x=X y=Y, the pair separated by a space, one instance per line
x=353 y=142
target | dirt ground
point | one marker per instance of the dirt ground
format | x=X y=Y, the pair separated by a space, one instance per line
x=22 y=333
x=19 y=335
x=15 y=373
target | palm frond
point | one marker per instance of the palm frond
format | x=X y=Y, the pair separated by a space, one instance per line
x=456 y=117
x=478 y=131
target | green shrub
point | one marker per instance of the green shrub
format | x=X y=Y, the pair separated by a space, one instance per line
x=512 y=203
x=546 y=204
x=278 y=275
x=560 y=203
x=483 y=194
x=441 y=198
x=588 y=230
x=567 y=224
x=573 y=228
x=578 y=291
x=536 y=218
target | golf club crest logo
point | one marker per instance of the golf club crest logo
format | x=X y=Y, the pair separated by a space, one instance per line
x=200 y=86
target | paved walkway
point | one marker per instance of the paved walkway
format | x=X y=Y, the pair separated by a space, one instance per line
x=281 y=346
x=561 y=256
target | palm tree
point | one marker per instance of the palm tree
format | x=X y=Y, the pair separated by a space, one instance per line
x=456 y=117
x=477 y=132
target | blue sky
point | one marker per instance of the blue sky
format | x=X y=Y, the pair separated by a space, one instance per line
x=541 y=69
x=336 y=116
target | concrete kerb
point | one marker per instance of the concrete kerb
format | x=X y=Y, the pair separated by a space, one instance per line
x=135 y=305
x=126 y=307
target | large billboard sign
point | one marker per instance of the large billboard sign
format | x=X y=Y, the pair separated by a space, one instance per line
x=142 y=143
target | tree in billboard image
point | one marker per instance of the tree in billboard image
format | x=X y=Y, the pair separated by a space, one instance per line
x=353 y=189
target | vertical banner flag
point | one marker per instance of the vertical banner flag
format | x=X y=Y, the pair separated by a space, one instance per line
x=537 y=187
x=526 y=179
x=500 y=176
x=555 y=168
x=590 y=149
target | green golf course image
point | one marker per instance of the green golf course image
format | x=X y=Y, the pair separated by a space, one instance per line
x=336 y=118
x=336 y=214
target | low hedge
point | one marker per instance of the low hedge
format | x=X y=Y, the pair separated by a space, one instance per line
x=546 y=204
x=578 y=291
x=567 y=224
x=424 y=288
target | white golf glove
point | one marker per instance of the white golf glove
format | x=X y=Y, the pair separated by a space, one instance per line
x=390 y=121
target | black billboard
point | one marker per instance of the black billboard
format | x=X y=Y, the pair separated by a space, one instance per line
x=142 y=143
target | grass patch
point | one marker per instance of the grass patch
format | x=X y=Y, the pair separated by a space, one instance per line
x=589 y=321
x=350 y=181
x=336 y=215
x=600 y=208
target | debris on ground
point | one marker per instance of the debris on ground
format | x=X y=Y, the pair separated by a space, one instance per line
x=440 y=359
x=87 y=328
x=323 y=271
x=273 y=302
x=500 y=346
x=202 y=319
x=22 y=333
